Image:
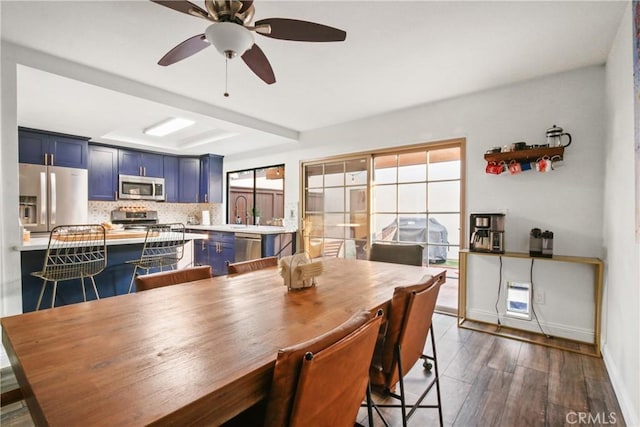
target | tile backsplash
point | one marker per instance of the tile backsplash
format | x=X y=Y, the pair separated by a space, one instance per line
x=167 y=212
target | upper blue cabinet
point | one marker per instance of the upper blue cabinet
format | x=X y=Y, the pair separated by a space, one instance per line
x=171 y=179
x=103 y=172
x=188 y=188
x=52 y=149
x=140 y=163
x=210 y=179
x=187 y=179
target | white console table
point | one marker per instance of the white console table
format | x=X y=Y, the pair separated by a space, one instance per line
x=533 y=337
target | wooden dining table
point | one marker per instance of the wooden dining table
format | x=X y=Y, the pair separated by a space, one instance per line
x=194 y=353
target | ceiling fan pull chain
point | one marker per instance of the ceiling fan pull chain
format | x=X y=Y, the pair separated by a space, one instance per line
x=226 y=76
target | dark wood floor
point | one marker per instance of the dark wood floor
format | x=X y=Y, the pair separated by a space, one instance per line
x=493 y=381
x=490 y=381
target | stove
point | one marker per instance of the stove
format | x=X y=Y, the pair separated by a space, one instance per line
x=133 y=218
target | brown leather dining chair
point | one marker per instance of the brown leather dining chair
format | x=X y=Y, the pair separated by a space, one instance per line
x=321 y=382
x=172 y=277
x=409 y=323
x=396 y=253
x=252 y=265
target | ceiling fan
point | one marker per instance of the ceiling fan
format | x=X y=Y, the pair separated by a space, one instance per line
x=231 y=33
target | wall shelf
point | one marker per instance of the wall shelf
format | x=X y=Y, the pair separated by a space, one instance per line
x=592 y=349
x=530 y=155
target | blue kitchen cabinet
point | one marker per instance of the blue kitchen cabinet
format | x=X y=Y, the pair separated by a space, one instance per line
x=103 y=173
x=140 y=163
x=279 y=245
x=200 y=250
x=226 y=254
x=216 y=251
x=210 y=179
x=171 y=178
x=222 y=251
x=48 y=148
x=188 y=180
x=114 y=280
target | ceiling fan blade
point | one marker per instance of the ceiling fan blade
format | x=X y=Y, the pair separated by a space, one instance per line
x=293 y=29
x=259 y=64
x=245 y=5
x=184 y=50
x=183 y=6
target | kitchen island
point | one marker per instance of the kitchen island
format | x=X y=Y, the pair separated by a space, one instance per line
x=114 y=280
x=229 y=243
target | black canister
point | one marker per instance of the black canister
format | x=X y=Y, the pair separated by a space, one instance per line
x=535 y=242
x=547 y=244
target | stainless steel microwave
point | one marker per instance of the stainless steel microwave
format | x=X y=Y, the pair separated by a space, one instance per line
x=133 y=187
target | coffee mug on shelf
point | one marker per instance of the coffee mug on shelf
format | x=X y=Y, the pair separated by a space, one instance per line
x=556 y=162
x=514 y=167
x=543 y=164
x=494 y=168
x=517 y=146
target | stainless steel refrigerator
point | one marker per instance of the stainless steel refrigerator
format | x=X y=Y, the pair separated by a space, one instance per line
x=52 y=196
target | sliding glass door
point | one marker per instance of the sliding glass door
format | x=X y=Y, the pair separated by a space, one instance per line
x=402 y=195
x=417 y=200
x=336 y=208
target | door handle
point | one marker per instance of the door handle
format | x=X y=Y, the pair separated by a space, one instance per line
x=51 y=164
x=43 y=198
x=52 y=185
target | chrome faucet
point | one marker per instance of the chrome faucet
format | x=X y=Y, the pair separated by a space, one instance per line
x=246 y=213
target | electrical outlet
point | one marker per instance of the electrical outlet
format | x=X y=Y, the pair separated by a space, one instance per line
x=538 y=297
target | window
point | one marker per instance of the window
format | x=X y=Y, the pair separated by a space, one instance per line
x=256 y=196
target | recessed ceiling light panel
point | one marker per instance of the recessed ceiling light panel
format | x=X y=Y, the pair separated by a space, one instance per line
x=168 y=126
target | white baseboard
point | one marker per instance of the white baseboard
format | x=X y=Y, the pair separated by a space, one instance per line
x=553 y=329
x=631 y=417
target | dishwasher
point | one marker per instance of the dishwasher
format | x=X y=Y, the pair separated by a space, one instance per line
x=248 y=246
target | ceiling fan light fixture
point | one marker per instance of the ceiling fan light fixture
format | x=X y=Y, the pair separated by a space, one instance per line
x=229 y=39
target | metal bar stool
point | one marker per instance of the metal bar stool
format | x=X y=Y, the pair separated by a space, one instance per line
x=74 y=252
x=163 y=247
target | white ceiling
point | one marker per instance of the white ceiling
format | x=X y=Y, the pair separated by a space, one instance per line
x=397 y=54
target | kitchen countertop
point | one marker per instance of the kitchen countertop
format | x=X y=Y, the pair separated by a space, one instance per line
x=239 y=228
x=37 y=243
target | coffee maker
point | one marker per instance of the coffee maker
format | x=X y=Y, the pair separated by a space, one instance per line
x=486 y=232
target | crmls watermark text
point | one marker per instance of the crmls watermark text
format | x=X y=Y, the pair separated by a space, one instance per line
x=600 y=418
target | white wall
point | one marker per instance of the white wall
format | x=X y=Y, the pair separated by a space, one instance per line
x=10 y=291
x=621 y=328
x=568 y=201
x=563 y=201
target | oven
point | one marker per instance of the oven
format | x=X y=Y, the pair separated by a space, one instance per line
x=133 y=218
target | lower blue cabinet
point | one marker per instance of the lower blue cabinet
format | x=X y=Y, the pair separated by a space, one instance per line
x=216 y=251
